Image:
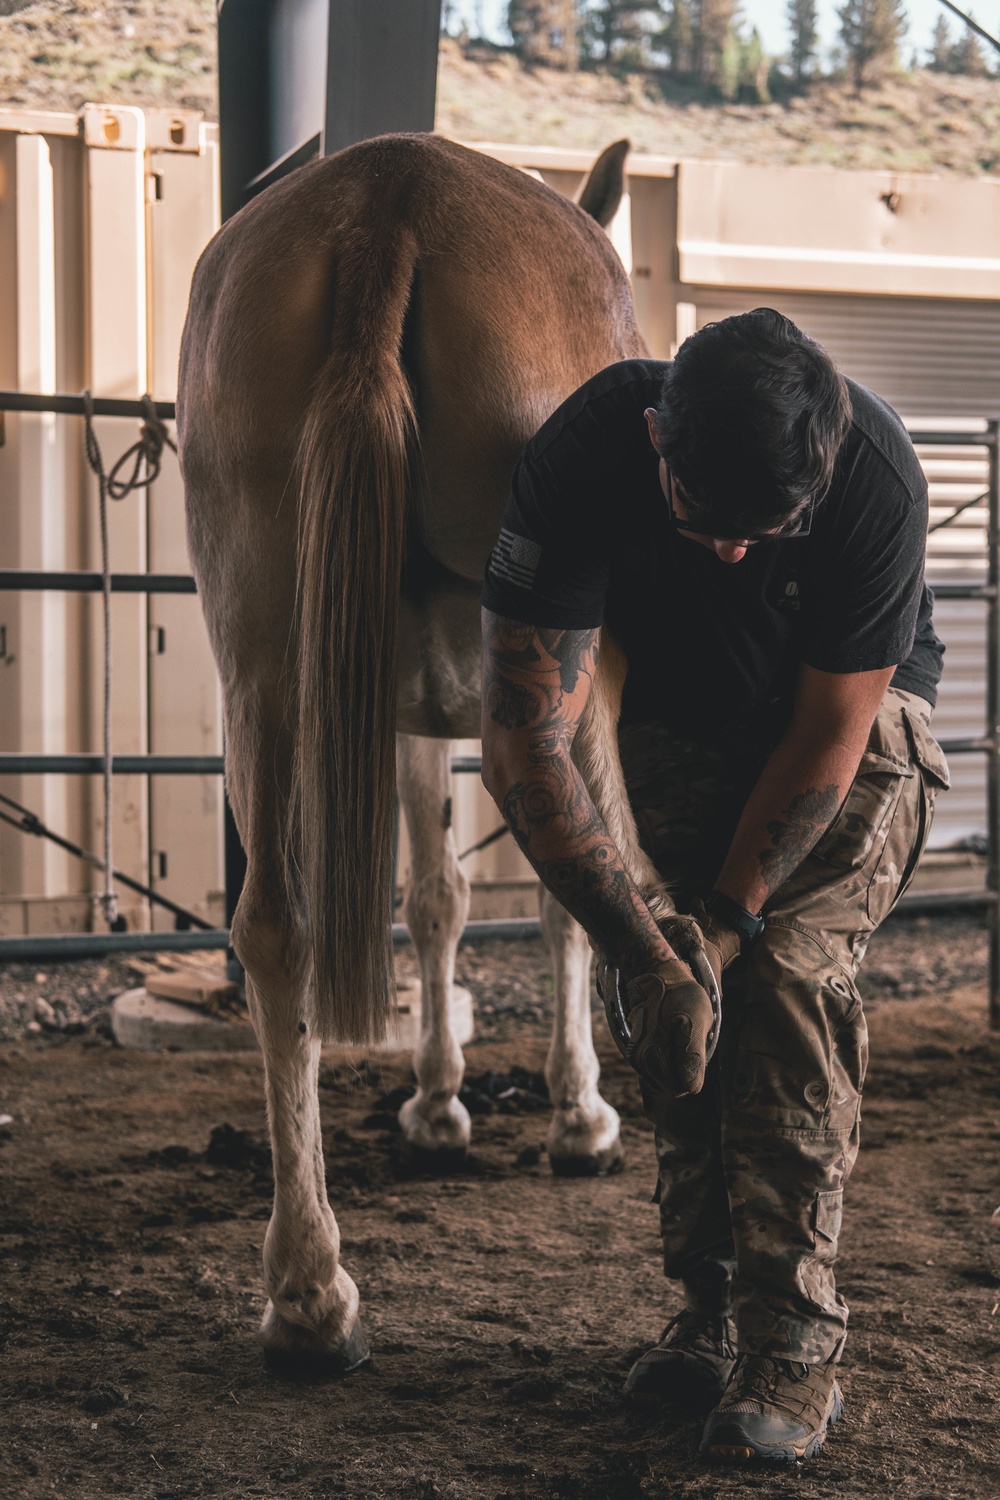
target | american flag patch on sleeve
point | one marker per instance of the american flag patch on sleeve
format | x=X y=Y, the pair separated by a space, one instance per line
x=515 y=559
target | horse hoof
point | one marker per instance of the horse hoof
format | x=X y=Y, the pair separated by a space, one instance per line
x=422 y=1161
x=596 y=1164
x=333 y=1364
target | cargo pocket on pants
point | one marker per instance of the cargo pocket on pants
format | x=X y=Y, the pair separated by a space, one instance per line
x=828 y=1214
x=927 y=753
x=907 y=838
x=852 y=836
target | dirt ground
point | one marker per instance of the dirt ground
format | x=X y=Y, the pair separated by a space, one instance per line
x=504 y=1306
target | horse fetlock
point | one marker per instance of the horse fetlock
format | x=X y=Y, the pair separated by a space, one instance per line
x=572 y=1079
x=585 y=1140
x=439 y=1065
x=305 y=1324
x=435 y=1122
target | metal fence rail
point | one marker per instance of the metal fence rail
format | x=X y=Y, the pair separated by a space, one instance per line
x=92 y=583
x=13 y=763
x=33 y=949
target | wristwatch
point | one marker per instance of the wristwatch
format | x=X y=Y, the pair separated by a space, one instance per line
x=748 y=924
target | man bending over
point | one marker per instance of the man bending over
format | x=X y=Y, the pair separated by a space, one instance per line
x=751 y=528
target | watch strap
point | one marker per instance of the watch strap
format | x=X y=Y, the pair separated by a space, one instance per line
x=748 y=924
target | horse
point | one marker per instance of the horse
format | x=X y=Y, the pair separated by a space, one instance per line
x=369 y=344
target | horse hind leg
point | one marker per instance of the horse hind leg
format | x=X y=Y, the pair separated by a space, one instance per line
x=311 y=1319
x=434 y=1122
x=584 y=1134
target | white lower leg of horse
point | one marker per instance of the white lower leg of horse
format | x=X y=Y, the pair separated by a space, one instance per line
x=313 y=1306
x=437 y=905
x=584 y=1134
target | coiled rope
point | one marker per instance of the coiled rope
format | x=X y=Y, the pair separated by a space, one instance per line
x=146 y=455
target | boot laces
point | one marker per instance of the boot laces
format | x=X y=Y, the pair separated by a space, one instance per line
x=762 y=1380
x=689 y=1329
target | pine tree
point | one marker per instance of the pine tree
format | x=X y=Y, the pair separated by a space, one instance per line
x=712 y=21
x=677 y=38
x=967 y=55
x=754 y=69
x=730 y=65
x=622 y=31
x=802 y=24
x=941 y=46
x=545 y=32
x=870 y=31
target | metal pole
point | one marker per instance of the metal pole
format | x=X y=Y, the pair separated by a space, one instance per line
x=60 y=948
x=14 y=763
x=17 y=580
x=993 y=721
x=74 y=406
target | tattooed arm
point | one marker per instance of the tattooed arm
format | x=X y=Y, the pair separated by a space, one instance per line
x=804 y=782
x=536 y=683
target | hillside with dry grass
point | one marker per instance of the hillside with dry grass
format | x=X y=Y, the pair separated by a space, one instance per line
x=58 y=55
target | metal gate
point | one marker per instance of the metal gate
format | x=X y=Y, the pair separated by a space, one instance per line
x=984 y=591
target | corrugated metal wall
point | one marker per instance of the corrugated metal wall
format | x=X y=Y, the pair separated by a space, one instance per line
x=102 y=218
x=930 y=359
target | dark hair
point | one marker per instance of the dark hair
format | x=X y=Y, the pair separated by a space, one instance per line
x=750 y=419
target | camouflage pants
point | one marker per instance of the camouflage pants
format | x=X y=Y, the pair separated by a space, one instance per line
x=752 y=1170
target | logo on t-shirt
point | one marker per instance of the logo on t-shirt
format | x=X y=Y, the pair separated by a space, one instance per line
x=783 y=589
x=515 y=559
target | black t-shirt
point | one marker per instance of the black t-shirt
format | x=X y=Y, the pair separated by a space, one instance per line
x=586 y=538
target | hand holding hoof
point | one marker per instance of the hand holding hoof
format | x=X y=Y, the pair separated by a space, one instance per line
x=672 y=1024
x=694 y=942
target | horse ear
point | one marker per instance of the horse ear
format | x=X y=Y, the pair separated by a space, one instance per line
x=603 y=186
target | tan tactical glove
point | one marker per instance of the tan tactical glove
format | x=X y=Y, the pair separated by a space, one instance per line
x=722 y=943
x=664 y=1024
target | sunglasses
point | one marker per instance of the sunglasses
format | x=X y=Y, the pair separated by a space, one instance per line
x=697 y=522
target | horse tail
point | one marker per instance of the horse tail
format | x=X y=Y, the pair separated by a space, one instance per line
x=354 y=462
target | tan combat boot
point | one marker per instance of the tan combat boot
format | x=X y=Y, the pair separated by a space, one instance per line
x=777 y=1410
x=691 y=1364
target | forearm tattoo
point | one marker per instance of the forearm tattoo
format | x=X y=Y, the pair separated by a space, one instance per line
x=530 y=677
x=806 y=819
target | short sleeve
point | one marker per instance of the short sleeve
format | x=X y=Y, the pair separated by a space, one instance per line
x=551 y=565
x=862 y=595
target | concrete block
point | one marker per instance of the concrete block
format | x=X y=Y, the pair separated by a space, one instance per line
x=148 y=1023
x=151 y=1023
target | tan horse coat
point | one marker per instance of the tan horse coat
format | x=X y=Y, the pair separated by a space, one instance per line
x=369 y=345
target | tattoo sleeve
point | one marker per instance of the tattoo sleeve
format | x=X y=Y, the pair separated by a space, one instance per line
x=536 y=683
x=805 y=821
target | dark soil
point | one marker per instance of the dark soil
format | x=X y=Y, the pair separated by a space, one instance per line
x=504 y=1306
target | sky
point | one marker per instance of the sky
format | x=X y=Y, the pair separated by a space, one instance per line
x=769 y=18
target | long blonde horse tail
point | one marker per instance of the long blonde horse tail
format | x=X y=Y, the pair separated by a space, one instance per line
x=355 y=457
